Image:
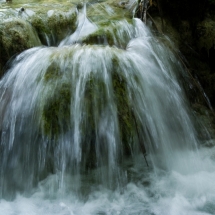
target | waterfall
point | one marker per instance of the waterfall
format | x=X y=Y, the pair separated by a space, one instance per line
x=100 y=124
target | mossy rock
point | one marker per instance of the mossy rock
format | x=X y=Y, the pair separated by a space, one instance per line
x=54 y=25
x=62 y=24
x=16 y=35
x=109 y=16
x=111 y=32
x=56 y=112
x=41 y=28
x=57 y=101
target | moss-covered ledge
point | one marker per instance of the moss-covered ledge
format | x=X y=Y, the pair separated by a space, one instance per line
x=16 y=35
x=24 y=26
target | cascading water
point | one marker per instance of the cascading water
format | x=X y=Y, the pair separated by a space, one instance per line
x=75 y=120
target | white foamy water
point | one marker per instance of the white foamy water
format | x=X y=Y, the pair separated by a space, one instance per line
x=148 y=192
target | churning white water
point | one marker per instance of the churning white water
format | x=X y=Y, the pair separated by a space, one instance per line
x=169 y=193
x=77 y=119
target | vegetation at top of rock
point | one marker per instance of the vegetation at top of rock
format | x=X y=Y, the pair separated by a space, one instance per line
x=52 y=21
x=32 y=27
x=113 y=32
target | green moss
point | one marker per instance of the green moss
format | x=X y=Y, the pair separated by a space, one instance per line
x=16 y=35
x=108 y=10
x=95 y=96
x=59 y=24
x=101 y=36
x=39 y=24
x=62 y=25
x=56 y=108
x=41 y=28
x=56 y=112
x=108 y=33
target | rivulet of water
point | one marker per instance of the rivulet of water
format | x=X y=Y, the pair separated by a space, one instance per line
x=76 y=120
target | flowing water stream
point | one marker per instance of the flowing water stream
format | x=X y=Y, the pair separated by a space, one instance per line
x=77 y=118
